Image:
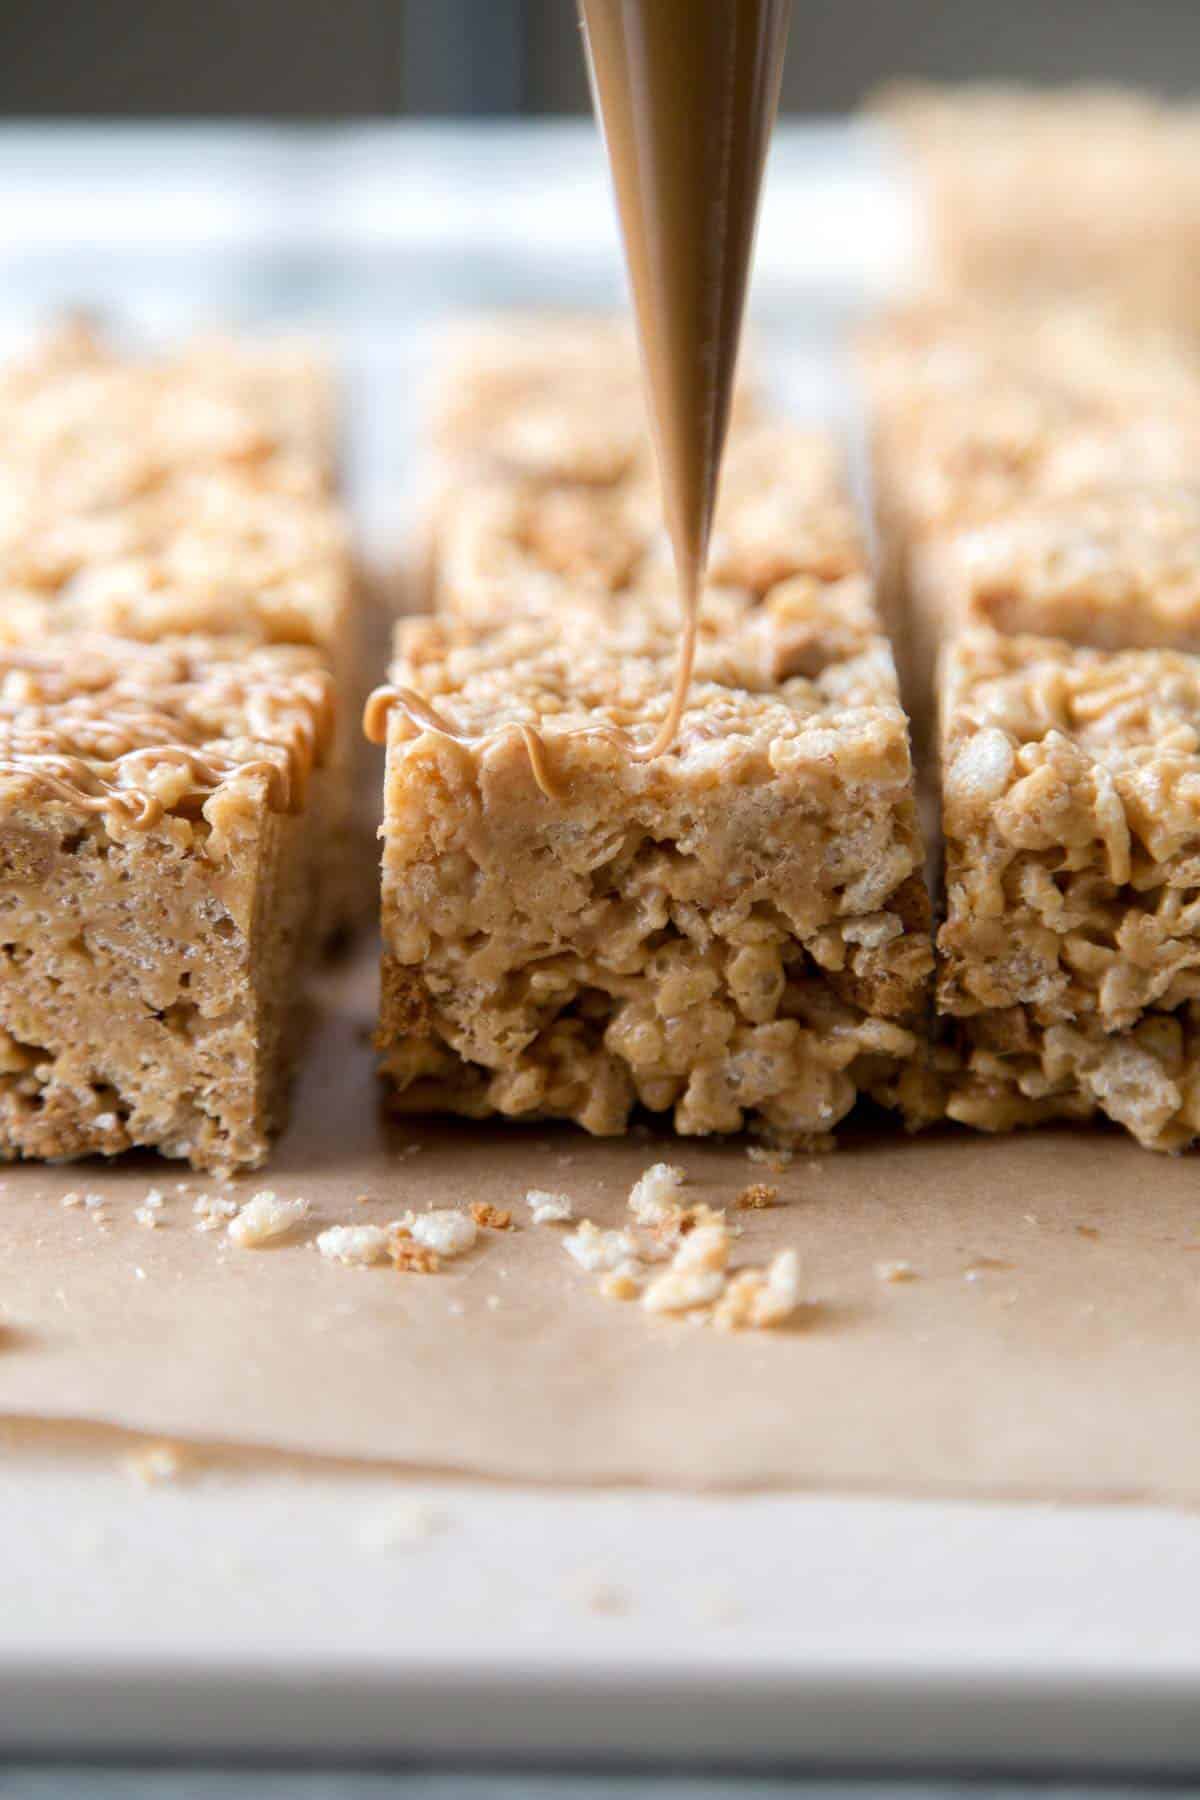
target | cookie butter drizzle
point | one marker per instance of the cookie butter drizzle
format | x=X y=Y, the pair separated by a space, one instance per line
x=116 y=784
x=687 y=97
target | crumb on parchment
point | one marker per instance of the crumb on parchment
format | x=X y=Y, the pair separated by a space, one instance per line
x=356 y=1246
x=263 y=1218
x=411 y=1258
x=697 y=1243
x=445 y=1230
x=654 y=1197
x=549 y=1209
x=757 y=1196
x=491 y=1218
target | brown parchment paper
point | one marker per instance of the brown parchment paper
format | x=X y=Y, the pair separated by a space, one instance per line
x=1049 y=1345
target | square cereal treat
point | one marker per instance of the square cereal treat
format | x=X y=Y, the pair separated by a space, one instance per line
x=85 y=428
x=161 y=816
x=539 y=400
x=784 y=510
x=1080 y=189
x=1113 y=568
x=1069 y=960
x=733 y=934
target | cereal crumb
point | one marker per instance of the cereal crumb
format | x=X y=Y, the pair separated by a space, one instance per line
x=411 y=1258
x=596 y=1250
x=895 y=1271
x=654 y=1197
x=356 y=1246
x=493 y=1302
x=445 y=1230
x=155 y=1463
x=757 y=1196
x=548 y=1208
x=155 y=1200
x=706 y=1247
x=757 y=1299
x=72 y=1199
x=212 y=1211
x=680 y=1290
x=264 y=1217
x=624 y=1282
x=491 y=1218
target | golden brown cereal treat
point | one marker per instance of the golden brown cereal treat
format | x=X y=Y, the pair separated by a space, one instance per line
x=554 y=395
x=979 y=414
x=523 y=546
x=735 y=933
x=161 y=816
x=84 y=428
x=188 y=493
x=1070 y=952
x=1071 y=190
x=542 y=400
x=1114 y=569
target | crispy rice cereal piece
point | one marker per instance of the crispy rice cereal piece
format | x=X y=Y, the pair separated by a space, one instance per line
x=444 y=1230
x=1083 y=189
x=735 y=933
x=491 y=1218
x=1070 y=954
x=355 y=1246
x=161 y=817
x=760 y=1299
x=549 y=1208
x=264 y=1218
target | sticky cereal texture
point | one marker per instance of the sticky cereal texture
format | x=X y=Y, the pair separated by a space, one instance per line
x=732 y=934
x=1070 y=952
x=161 y=812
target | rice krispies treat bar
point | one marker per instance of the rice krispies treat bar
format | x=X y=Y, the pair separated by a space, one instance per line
x=974 y=421
x=189 y=493
x=541 y=399
x=1069 y=960
x=976 y=408
x=543 y=395
x=1114 y=569
x=1075 y=189
x=511 y=546
x=735 y=933
x=212 y=551
x=84 y=428
x=161 y=816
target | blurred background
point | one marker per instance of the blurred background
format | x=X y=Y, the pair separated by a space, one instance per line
x=327 y=59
